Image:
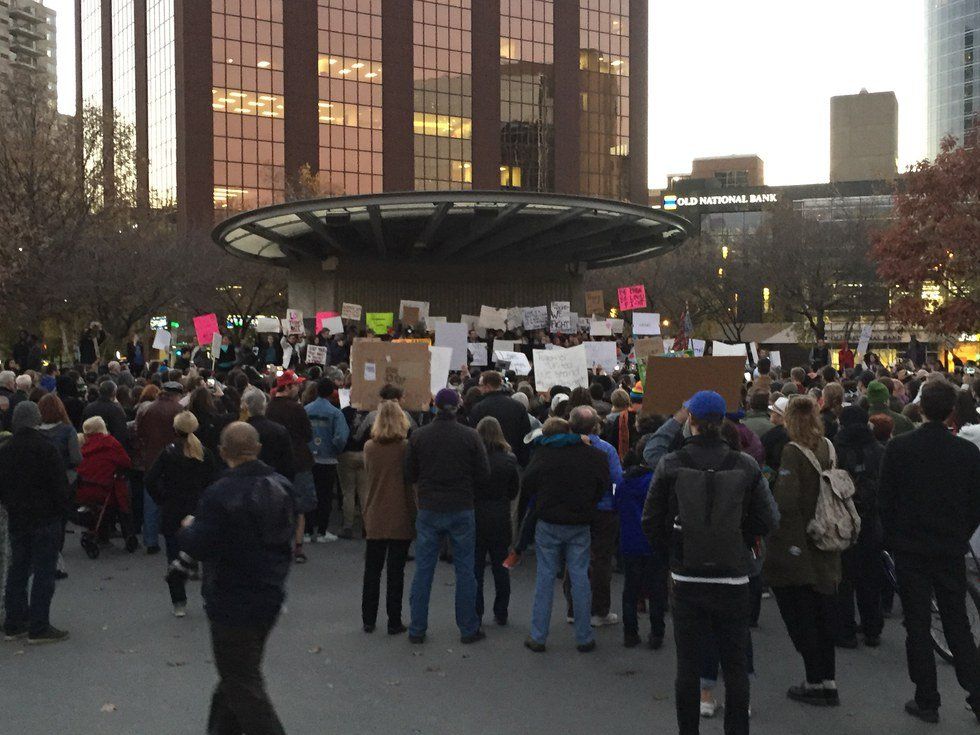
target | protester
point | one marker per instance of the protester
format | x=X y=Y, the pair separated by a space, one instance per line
x=242 y=532
x=330 y=435
x=155 y=431
x=878 y=397
x=513 y=419
x=389 y=517
x=929 y=499
x=757 y=417
x=57 y=429
x=446 y=461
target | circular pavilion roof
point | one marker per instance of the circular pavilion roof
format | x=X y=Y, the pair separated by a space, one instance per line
x=434 y=226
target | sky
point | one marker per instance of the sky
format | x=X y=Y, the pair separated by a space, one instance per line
x=745 y=76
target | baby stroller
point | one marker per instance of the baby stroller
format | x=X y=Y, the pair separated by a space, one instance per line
x=103 y=494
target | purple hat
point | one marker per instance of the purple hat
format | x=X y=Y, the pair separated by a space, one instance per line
x=446 y=398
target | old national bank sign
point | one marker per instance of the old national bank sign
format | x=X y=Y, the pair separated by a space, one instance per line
x=673 y=201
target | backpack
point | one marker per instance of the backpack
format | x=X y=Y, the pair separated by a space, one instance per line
x=836 y=524
x=864 y=467
x=712 y=506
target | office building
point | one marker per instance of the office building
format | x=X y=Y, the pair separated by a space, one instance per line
x=730 y=171
x=231 y=99
x=864 y=136
x=28 y=42
x=952 y=28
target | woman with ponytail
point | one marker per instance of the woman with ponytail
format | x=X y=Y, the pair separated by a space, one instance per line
x=176 y=482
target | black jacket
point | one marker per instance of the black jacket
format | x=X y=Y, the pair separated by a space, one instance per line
x=567 y=482
x=115 y=419
x=514 y=420
x=773 y=441
x=493 y=497
x=176 y=483
x=929 y=492
x=277 y=450
x=861 y=455
x=447 y=461
x=243 y=532
x=33 y=480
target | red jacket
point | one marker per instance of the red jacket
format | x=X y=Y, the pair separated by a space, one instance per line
x=100 y=473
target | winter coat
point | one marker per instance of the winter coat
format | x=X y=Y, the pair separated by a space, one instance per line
x=631 y=494
x=514 y=420
x=750 y=443
x=493 y=497
x=389 y=503
x=447 y=461
x=113 y=415
x=289 y=413
x=176 y=483
x=277 y=450
x=615 y=471
x=33 y=484
x=65 y=440
x=155 y=426
x=861 y=455
x=567 y=480
x=330 y=431
x=101 y=472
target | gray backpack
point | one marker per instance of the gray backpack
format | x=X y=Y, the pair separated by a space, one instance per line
x=835 y=524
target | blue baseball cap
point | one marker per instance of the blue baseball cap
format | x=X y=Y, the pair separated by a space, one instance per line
x=706 y=403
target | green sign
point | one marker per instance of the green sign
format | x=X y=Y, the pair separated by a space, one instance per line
x=380 y=323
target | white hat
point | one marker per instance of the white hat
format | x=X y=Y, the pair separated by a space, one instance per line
x=779 y=407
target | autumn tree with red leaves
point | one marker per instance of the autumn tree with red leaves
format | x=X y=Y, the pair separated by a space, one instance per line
x=934 y=242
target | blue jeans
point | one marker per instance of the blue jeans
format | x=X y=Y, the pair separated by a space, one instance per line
x=34 y=553
x=552 y=543
x=151 y=521
x=430 y=526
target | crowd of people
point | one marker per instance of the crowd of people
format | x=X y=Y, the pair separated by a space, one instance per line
x=235 y=463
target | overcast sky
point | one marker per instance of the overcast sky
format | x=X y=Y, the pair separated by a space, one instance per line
x=745 y=76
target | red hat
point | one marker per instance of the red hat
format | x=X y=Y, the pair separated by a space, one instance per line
x=287 y=379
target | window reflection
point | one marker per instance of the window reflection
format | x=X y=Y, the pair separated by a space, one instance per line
x=124 y=95
x=161 y=102
x=91 y=27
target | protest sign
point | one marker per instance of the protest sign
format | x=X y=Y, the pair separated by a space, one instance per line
x=504 y=344
x=560 y=367
x=550 y=346
x=573 y=321
x=422 y=306
x=431 y=321
x=294 y=322
x=648 y=347
x=602 y=354
x=561 y=316
x=344 y=395
x=161 y=340
x=600 y=328
x=478 y=352
x=375 y=363
x=334 y=324
x=515 y=317
x=215 y=345
x=491 y=318
x=321 y=317
x=380 y=322
x=698 y=345
x=410 y=316
x=865 y=339
x=517 y=361
x=720 y=349
x=440 y=363
x=204 y=327
x=594 y=303
x=775 y=359
x=316 y=355
x=646 y=323
x=632 y=297
x=472 y=323
x=670 y=381
x=755 y=352
x=536 y=317
x=583 y=323
x=454 y=336
x=351 y=311
x=616 y=325
x=413 y=340
x=267 y=324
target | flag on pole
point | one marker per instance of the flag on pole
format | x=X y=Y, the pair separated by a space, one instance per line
x=684 y=330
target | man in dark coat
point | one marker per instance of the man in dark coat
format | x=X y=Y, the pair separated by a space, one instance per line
x=513 y=417
x=111 y=412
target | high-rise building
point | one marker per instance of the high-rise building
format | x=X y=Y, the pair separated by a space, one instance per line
x=231 y=99
x=864 y=136
x=730 y=171
x=953 y=27
x=28 y=42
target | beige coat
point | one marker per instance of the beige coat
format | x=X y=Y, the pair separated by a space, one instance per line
x=389 y=508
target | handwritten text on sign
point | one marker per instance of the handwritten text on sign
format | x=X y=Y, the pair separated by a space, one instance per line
x=632 y=297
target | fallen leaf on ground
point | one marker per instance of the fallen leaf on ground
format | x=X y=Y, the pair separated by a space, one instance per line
x=316 y=649
x=109 y=707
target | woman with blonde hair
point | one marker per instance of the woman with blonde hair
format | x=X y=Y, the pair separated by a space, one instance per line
x=176 y=482
x=804 y=578
x=389 y=516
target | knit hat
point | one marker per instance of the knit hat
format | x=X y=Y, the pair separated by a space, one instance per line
x=878 y=394
x=853 y=415
x=26 y=416
x=447 y=398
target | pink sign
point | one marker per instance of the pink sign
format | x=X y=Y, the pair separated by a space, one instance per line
x=206 y=326
x=322 y=316
x=632 y=297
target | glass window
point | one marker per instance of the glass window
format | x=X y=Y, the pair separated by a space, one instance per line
x=124 y=96
x=91 y=23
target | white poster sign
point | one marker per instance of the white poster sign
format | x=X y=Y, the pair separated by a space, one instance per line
x=478 y=352
x=517 y=361
x=561 y=316
x=536 y=317
x=432 y=321
x=316 y=355
x=504 y=344
x=453 y=335
x=600 y=328
x=344 y=395
x=755 y=352
x=215 y=345
x=646 y=323
x=602 y=354
x=775 y=360
x=616 y=325
x=351 y=311
x=698 y=346
x=720 y=349
x=294 y=321
x=472 y=322
x=161 y=340
x=561 y=367
x=268 y=324
x=491 y=318
x=515 y=317
x=334 y=324
x=440 y=363
x=865 y=339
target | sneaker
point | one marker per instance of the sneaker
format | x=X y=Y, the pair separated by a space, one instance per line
x=396 y=629
x=475 y=638
x=309 y=538
x=512 y=560
x=298 y=556
x=655 y=642
x=48 y=635
x=417 y=640
x=532 y=645
x=570 y=619
x=14 y=632
x=586 y=647
x=809 y=695
x=325 y=536
x=631 y=639
x=347 y=533
x=832 y=697
x=599 y=621
x=180 y=610
x=922 y=713
x=708 y=709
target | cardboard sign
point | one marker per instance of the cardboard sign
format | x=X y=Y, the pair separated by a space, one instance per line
x=560 y=367
x=602 y=354
x=491 y=318
x=517 y=361
x=478 y=353
x=294 y=321
x=649 y=347
x=333 y=324
x=316 y=355
x=380 y=322
x=720 y=349
x=632 y=297
x=646 y=323
x=561 y=316
x=594 y=303
x=670 y=381
x=698 y=346
x=422 y=306
x=161 y=340
x=454 y=336
x=536 y=317
x=268 y=325
x=375 y=364
x=351 y=311
x=440 y=363
x=204 y=327
x=600 y=328
x=413 y=341
x=410 y=316
x=865 y=339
